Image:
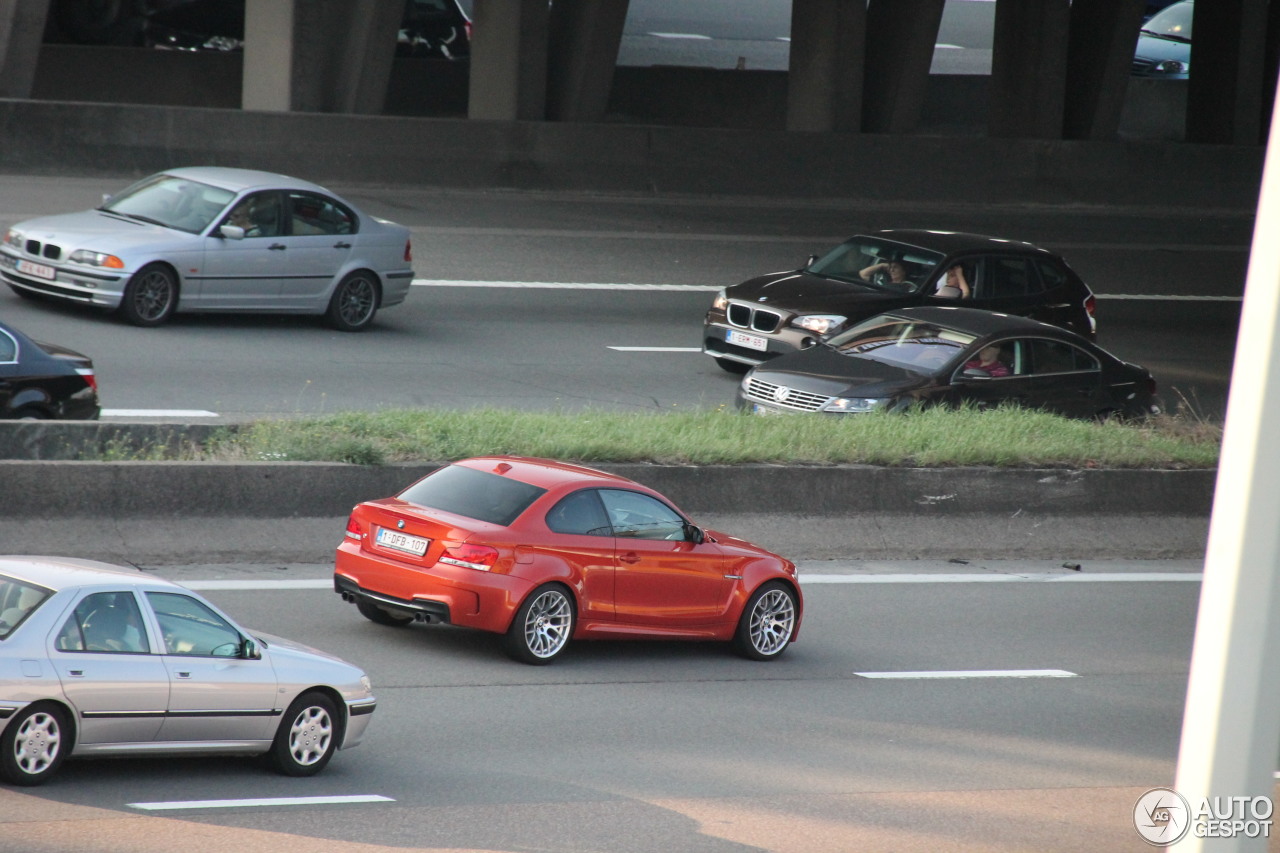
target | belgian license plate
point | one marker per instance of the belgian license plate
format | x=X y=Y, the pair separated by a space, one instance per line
x=757 y=409
x=37 y=270
x=398 y=541
x=742 y=339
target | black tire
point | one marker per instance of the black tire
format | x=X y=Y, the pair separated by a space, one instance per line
x=33 y=745
x=29 y=413
x=151 y=296
x=374 y=613
x=728 y=365
x=354 y=302
x=767 y=622
x=542 y=627
x=308 y=736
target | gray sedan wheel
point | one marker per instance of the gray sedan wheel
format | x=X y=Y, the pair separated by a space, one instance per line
x=542 y=626
x=33 y=745
x=767 y=622
x=308 y=736
x=354 y=302
x=151 y=296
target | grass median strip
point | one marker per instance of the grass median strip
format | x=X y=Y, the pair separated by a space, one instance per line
x=1004 y=437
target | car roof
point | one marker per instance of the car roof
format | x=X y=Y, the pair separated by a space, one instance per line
x=544 y=473
x=950 y=242
x=982 y=323
x=58 y=573
x=239 y=180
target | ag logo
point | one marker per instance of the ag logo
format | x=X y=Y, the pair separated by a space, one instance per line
x=780 y=394
x=1161 y=816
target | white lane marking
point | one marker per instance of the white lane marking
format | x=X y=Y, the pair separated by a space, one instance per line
x=806 y=579
x=680 y=36
x=266 y=801
x=975 y=673
x=657 y=349
x=157 y=413
x=712 y=288
x=1043 y=577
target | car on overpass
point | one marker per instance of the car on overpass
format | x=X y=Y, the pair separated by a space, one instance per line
x=771 y=315
x=951 y=356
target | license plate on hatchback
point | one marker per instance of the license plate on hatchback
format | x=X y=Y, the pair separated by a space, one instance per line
x=398 y=541
x=742 y=339
x=37 y=270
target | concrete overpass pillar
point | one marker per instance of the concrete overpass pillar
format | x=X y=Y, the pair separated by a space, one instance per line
x=1029 y=68
x=1224 y=94
x=509 y=60
x=824 y=88
x=1100 y=48
x=901 y=36
x=21 y=33
x=583 y=45
x=318 y=55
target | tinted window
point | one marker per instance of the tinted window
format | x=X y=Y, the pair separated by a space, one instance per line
x=902 y=343
x=474 y=494
x=1039 y=356
x=18 y=600
x=105 y=622
x=580 y=513
x=640 y=516
x=8 y=347
x=1008 y=277
x=312 y=214
x=189 y=627
x=1054 y=275
x=866 y=260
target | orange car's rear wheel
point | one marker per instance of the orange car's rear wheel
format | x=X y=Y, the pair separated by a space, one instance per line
x=541 y=629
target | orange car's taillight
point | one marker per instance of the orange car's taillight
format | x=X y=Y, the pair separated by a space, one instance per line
x=469 y=556
x=354 y=531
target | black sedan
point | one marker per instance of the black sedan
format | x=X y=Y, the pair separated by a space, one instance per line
x=39 y=380
x=948 y=356
x=764 y=317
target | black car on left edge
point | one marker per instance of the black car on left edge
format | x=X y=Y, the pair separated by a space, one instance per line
x=39 y=380
x=949 y=356
x=767 y=316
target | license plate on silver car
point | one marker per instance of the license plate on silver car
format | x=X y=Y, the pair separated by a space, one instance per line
x=37 y=270
x=742 y=339
x=398 y=541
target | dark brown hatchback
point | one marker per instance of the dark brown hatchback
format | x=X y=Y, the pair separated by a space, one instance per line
x=768 y=316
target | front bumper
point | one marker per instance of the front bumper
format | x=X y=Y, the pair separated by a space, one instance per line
x=718 y=341
x=73 y=284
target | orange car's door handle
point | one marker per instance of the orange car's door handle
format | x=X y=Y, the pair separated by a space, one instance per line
x=629 y=557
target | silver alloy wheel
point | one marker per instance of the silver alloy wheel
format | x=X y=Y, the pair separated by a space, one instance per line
x=310 y=735
x=152 y=295
x=38 y=742
x=772 y=620
x=548 y=623
x=356 y=300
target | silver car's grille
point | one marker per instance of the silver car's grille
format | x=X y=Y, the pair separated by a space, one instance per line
x=781 y=395
x=43 y=250
x=750 y=317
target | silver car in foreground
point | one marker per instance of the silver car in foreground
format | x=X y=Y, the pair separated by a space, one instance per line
x=99 y=660
x=215 y=239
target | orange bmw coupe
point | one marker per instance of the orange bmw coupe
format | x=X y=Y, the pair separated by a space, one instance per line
x=545 y=552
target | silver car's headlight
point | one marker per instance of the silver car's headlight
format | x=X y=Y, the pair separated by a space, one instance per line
x=851 y=405
x=366 y=684
x=96 y=259
x=721 y=302
x=819 y=323
x=14 y=238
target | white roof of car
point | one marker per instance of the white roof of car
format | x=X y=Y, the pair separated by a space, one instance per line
x=61 y=572
x=242 y=179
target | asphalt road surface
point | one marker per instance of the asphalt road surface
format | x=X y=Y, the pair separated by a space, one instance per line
x=927 y=706
x=574 y=302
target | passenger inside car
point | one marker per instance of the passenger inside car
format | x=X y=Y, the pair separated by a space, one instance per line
x=954 y=284
x=989 y=362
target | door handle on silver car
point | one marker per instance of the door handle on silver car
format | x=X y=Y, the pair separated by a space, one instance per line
x=181 y=674
x=76 y=673
x=277 y=247
x=342 y=245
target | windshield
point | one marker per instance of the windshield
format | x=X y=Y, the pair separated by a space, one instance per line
x=1172 y=23
x=921 y=347
x=18 y=600
x=474 y=494
x=171 y=202
x=891 y=266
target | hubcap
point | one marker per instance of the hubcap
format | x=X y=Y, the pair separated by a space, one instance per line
x=153 y=296
x=546 y=628
x=772 y=620
x=37 y=743
x=356 y=301
x=310 y=736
